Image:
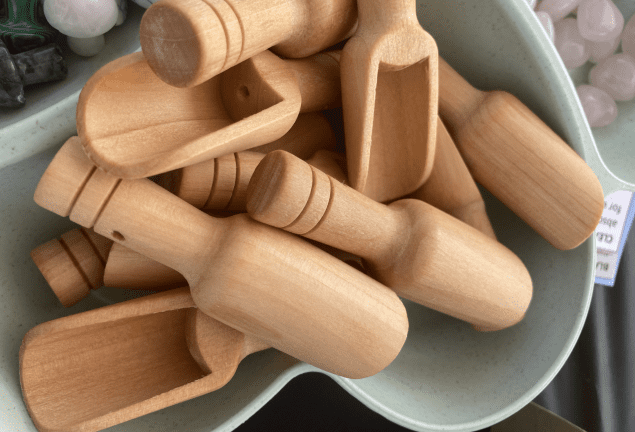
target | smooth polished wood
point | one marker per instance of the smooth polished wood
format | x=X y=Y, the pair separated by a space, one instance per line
x=521 y=161
x=188 y=42
x=96 y=369
x=389 y=100
x=422 y=253
x=133 y=125
x=73 y=264
x=126 y=268
x=259 y=280
x=451 y=187
x=221 y=183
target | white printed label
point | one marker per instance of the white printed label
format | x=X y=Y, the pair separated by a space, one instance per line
x=609 y=231
x=614 y=224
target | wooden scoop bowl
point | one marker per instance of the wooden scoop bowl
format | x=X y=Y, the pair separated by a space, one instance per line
x=133 y=125
x=89 y=371
x=389 y=99
x=422 y=253
x=259 y=280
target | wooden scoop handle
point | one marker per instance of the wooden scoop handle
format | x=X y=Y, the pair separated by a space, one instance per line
x=451 y=187
x=422 y=253
x=521 y=161
x=188 y=42
x=259 y=280
x=221 y=183
x=73 y=264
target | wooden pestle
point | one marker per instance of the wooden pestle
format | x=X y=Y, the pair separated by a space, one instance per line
x=188 y=42
x=156 y=128
x=417 y=250
x=261 y=281
x=73 y=264
x=221 y=183
x=521 y=161
x=96 y=369
x=451 y=187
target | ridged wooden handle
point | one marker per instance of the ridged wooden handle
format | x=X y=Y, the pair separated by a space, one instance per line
x=521 y=161
x=73 y=264
x=422 y=253
x=221 y=183
x=188 y=42
x=261 y=281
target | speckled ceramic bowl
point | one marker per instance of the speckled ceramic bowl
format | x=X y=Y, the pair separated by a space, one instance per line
x=448 y=377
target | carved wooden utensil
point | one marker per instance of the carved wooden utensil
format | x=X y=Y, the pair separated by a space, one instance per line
x=389 y=98
x=257 y=279
x=521 y=161
x=410 y=246
x=188 y=42
x=133 y=125
x=82 y=260
x=96 y=369
x=221 y=183
x=451 y=187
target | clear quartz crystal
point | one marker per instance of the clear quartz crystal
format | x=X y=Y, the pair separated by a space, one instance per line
x=558 y=9
x=86 y=47
x=599 y=20
x=628 y=37
x=600 y=109
x=570 y=45
x=81 y=18
x=616 y=76
x=545 y=20
x=601 y=50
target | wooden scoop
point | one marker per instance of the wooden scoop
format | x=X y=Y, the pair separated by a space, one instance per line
x=521 y=161
x=451 y=187
x=419 y=251
x=188 y=42
x=221 y=183
x=259 y=280
x=133 y=125
x=389 y=98
x=89 y=371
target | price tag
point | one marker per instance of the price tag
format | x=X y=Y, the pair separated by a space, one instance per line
x=611 y=233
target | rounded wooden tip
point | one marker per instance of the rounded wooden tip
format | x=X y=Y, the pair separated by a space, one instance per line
x=73 y=264
x=279 y=189
x=183 y=41
x=65 y=176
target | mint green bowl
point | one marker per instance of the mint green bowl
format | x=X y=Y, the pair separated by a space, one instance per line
x=448 y=377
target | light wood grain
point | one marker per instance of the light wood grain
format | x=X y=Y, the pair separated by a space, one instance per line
x=221 y=183
x=188 y=42
x=80 y=373
x=415 y=249
x=126 y=268
x=73 y=264
x=259 y=280
x=389 y=99
x=451 y=187
x=133 y=125
x=521 y=161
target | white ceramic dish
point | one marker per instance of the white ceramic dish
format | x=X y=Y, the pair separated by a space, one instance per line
x=48 y=117
x=448 y=377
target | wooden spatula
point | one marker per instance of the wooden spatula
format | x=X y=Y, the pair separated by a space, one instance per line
x=133 y=125
x=259 y=280
x=521 y=161
x=389 y=98
x=96 y=369
x=422 y=253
